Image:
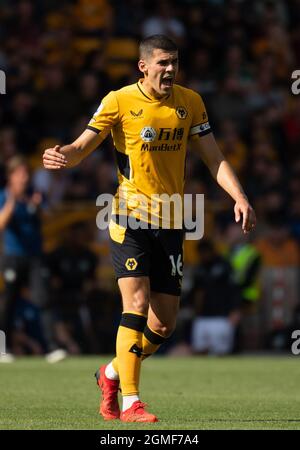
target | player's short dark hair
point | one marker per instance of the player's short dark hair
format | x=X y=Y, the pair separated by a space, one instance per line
x=157 y=41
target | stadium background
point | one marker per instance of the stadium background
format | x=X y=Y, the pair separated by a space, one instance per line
x=62 y=57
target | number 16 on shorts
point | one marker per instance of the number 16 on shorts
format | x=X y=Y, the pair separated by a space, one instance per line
x=176 y=265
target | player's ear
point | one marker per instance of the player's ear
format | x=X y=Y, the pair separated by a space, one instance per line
x=142 y=66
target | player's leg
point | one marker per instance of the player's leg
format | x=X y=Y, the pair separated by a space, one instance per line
x=165 y=282
x=136 y=339
x=130 y=253
x=132 y=348
x=126 y=366
x=161 y=321
x=162 y=313
x=160 y=325
x=135 y=298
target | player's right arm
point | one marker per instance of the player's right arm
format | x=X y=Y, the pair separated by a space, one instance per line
x=106 y=116
x=70 y=155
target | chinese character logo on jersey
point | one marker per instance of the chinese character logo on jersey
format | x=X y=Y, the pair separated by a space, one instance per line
x=148 y=134
x=181 y=112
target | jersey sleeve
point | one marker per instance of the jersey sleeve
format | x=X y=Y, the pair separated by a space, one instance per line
x=106 y=116
x=200 y=124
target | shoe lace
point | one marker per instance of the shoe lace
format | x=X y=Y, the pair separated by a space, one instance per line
x=139 y=406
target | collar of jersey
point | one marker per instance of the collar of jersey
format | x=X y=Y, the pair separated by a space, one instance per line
x=147 y=95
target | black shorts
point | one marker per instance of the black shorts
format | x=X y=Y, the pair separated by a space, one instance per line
x=154 y=253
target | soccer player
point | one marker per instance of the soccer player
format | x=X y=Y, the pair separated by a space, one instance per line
x=151 y=122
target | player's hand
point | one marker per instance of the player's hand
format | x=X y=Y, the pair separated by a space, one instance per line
x=54 y=159
x=244 y=210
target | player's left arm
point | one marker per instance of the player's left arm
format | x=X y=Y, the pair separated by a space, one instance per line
x=207 y=149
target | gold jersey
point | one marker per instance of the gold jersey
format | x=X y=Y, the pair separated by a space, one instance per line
x=150 y=137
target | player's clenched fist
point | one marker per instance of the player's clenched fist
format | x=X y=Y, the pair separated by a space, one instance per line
x=54 y=159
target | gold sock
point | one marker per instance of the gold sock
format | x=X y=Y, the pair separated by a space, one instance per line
x=151 y=342
x=129 y=351
x=115 y=364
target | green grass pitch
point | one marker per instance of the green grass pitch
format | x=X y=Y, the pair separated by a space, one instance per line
x=192 y=393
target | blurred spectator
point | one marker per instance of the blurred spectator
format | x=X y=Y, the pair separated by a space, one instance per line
x=27 y=336
x=277 y=248
x=280 y=279
x=292 y=124
x=294 y=218
x=105 y=312
x=88 y=94
x=51 y=184
x=200 y=75
x=264 y=94
x=20 y=224
x=93 y=17
x=232 y=146
x=235 y=66
x=57 y=103
x=216 y=300
x=23 y=113
x=8 y=144
x=72 y=277
x=24 y=26
x=245 y=261
x=229 y=103
x=275 y=39
x=164 y=21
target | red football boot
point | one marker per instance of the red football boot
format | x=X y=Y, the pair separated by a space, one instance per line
x=109 y=406
x=137 y=413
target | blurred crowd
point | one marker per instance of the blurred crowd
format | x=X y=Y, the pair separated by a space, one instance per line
x=61 y=57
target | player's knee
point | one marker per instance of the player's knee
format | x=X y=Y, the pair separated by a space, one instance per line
x=166 y=330
x=140 y=302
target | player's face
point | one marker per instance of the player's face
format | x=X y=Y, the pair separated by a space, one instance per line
x=160 y=70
